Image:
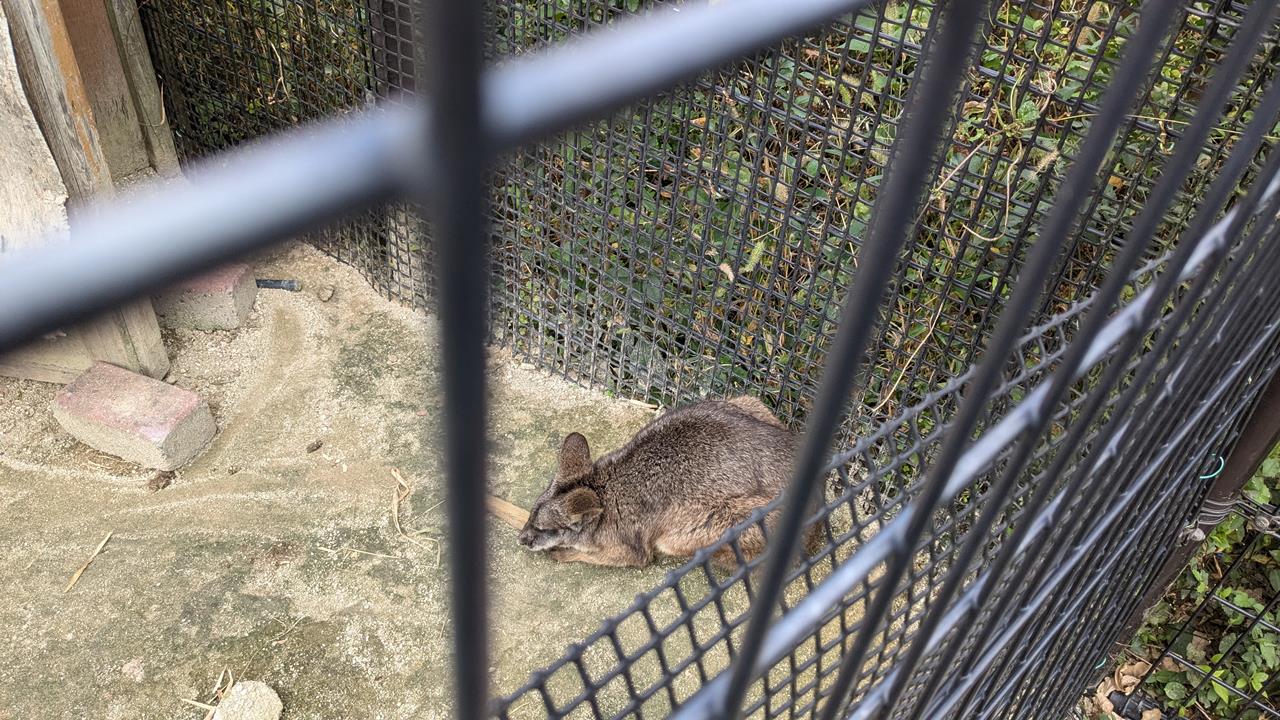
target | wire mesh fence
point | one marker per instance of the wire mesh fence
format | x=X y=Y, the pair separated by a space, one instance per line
x=699 y=243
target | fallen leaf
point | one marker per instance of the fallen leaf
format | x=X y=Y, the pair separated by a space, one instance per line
x=1152 y=714
x=728 y=271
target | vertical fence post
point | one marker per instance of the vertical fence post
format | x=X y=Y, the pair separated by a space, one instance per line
x=1259 y=435
x=459 y=148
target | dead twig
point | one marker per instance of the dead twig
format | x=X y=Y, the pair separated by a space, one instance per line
x=280 y=638
x=76 y=578
x=357 y=551
x=401 y=492
x=219 y=692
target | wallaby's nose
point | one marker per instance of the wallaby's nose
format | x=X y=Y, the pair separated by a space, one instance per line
x=526 y=538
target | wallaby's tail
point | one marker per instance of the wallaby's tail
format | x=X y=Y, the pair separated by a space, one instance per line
x=756 y=409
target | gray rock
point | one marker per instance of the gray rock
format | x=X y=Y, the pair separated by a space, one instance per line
x=250 y=700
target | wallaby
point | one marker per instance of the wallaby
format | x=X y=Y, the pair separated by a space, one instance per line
x=676 y=487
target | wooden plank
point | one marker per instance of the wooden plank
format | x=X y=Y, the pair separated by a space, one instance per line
x=509 y=513
x=116 y=119
x=148 y=99
x=52 y=82
x=128 y=337
x=58 y=360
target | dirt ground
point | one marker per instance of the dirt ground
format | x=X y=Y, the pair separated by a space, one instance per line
x=271 y=559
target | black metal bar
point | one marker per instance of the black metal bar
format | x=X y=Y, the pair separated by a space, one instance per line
x=1017 y=627
x=459 y=149
x=1244 y=633
x=892 y=217
x=1120 y=418
x=1135 y=65
x=1229 y=688
x=1196 y=343
x=1180 y=163
x=1209 y=248
x=1259 y=437
x=1251 y=702
x=1038 y=596
x=1143 y=483
x=1204 y=604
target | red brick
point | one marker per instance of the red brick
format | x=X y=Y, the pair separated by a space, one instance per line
x=134 y=417
x=217 y=300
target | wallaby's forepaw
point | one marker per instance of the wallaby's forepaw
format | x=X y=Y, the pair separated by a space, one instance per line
x=564 y=554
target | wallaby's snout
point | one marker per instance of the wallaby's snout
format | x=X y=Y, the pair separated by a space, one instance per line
x=526 y=537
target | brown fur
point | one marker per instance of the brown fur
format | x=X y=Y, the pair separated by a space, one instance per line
x=676 y=487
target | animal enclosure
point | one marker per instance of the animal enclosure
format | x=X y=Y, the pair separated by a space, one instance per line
x=1062 y=217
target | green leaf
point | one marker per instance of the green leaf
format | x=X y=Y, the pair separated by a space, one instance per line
x=1220 y=691
x=1175 y=691
x=1268 y=652
x=858 y=45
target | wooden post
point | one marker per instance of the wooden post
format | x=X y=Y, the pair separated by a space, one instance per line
x=63 y=108
x=148 y=100
x=51 y=79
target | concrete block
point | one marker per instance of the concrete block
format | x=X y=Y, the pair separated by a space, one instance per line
x=134 y=417
x=217 y=300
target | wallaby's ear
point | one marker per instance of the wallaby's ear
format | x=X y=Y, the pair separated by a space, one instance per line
x=575 y=456
x=582 y=505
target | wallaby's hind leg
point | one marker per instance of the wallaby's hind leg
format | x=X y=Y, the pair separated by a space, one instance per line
x=750 y=542
x=756 y=409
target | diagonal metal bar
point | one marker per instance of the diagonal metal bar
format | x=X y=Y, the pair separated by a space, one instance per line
x=1121 y=420
x=1131 y=496
x=1180 y=164
x=1134 y=67
x=985 y=650
x=602 y=71
x=892 y=219
x=227 y=207
x=1209 y=249
x=813 y=611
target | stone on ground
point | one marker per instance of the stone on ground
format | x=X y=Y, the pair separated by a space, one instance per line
x=217 y=300
x=249 y=700
x=134 y=417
